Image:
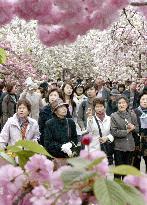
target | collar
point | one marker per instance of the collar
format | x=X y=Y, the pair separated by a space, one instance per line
x=105 y=118
x=16 y=123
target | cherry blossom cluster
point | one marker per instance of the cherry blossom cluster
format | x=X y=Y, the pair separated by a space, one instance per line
x=39 y=184
x=17 y=65
x=60 y=21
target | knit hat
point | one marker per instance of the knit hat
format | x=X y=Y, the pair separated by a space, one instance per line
x=44 y=85
x=114 y=92
x=58 y=103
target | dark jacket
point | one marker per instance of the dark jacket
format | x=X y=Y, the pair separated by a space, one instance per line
x=111 y=107
x=105 y=94
x=56 y=134
x=8 y=107
x=45 y=114
x=123 y=140
x=142 y=133
x=136 y=98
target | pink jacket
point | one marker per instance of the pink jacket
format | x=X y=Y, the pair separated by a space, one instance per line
x=11 y=131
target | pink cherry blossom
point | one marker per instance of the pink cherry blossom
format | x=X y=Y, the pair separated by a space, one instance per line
x=39 y=168
x=33 y=9
x=6 y=11
x=55 y=34
x=140 y=182
x=102 y=167
x=56 y=180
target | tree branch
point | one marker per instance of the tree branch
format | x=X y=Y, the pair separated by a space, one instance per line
x=138 y=4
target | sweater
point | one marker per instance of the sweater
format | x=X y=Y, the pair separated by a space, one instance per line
x=56 y=134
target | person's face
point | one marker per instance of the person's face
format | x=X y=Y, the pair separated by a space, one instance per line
x=91 y=92
x=133 y=86
x=68 y=90
x=113 y=97
x=61 y=111
x=99 y=81
x=143 y=101
x=79 y=91
x=53 y=96
x=122 y=105
x=13 y=89
x=121 y=89
x=22 y=111
x=99 y=108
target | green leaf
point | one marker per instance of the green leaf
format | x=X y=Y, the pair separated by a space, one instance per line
x=95 y=162
x=23 y=157
x=109 y=192
x=32 y=146
x=2 y=56
x=7 y=158
x=78 y=162
x=133 y=195
x=126 y=170
x=70 y=175
x=13 y=148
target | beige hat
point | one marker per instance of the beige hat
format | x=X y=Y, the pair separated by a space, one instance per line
x=57 y=103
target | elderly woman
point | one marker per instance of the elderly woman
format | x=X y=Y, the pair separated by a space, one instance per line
x=123 y=126
x=59 y=130
x=20 y=126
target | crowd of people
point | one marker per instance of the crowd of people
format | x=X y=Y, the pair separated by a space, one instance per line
x=55 y=113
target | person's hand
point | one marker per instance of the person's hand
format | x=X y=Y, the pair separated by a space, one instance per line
x=130 y=127
x=89 y=113
x=103 y=139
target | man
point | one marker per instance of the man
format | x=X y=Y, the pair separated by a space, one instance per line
x=133 y=96
x=90 y=91
x=102 y=91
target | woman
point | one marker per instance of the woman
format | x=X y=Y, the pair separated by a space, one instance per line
x=79 y=95
x=99 y=127
x=20 y=126
x=34 y=98
x=46 y=112
x=141 y=113
x=68 y=93
x=9 y=102
x=59 y=130
x=123 y=125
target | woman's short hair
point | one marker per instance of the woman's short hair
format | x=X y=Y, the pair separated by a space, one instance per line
x=24 y=102
x=100 y=101
x=90 y=85
x=142 y=94
x=123 y=97
x=53 y=90
x=9 y=87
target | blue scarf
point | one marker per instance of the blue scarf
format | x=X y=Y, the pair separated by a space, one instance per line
x=143 y=117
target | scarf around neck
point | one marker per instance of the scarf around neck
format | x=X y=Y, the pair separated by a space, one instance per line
x=101 y=116
x=143 y=117
x=23 y=122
